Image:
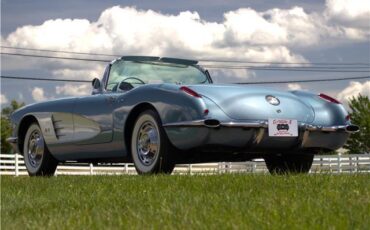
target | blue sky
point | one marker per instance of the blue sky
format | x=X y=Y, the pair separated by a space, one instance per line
x=288 y=31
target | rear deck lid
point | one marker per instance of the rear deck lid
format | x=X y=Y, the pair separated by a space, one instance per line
x=256 y=103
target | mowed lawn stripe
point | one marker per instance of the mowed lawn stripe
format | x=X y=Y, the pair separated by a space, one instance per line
x=229 y=201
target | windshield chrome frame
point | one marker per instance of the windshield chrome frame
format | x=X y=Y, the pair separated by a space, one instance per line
x=107 y=73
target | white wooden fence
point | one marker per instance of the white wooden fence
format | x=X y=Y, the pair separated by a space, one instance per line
x=13 y=164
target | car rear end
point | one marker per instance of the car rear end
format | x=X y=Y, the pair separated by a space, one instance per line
x=258 y=119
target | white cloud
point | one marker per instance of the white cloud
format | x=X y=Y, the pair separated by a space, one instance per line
x=38 y=94
x=352 y=17
x=3 y=99
x=354 y=13
x=59 y=33
x=73 y=90
x=288 y=27
x=244 y=34
x=131 y=31
x=353 y=90
x=247 y=25
x=294 y=86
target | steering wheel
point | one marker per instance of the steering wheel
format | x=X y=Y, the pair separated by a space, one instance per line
x=123 y=85
x=134 y=78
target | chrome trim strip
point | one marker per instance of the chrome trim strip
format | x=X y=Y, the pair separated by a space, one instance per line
x=263 y=124
x=185 y=123
x=12 y=140
x=338 y=128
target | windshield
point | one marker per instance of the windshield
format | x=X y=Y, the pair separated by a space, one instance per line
x=137 y=73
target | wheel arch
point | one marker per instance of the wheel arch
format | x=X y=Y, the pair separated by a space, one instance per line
x=130 y=122
x=22 y=129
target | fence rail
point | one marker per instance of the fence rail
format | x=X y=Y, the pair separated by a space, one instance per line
x=13 y=164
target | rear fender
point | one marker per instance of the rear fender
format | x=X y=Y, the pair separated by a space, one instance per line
x=326 y=113
x=172 y=104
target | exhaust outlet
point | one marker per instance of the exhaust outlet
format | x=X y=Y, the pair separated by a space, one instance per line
x=352 y=128
x=212 y=123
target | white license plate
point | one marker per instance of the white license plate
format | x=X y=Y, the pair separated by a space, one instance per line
x=283 y=127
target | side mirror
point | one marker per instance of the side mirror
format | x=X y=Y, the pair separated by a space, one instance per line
x=96 y=83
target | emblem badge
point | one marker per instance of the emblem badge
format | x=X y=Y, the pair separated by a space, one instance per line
x=272 y=100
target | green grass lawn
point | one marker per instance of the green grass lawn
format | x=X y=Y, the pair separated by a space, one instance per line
x=233 y=201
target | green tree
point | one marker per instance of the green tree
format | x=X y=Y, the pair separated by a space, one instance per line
x=6 y=129
x=360 y=115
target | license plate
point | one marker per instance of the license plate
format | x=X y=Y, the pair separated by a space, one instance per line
x=283 y=127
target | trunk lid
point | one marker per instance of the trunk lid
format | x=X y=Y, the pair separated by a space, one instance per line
x=249 y=102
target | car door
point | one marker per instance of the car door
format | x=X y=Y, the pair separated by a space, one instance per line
x=93 y=119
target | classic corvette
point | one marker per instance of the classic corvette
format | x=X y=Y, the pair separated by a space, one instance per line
x=157 y=112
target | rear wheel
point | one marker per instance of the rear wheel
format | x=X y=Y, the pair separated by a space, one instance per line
x=37 y=158
x=150 y=149
x=289 y=163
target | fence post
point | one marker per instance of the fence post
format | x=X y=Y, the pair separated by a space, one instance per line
x=126 y=168
x=356 y=169
x=16 y=165
x=254 y=167
x=190 y=167
x=339 y=164
x=91 y=169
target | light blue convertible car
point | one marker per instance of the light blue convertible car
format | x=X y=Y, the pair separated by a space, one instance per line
x=157 y=112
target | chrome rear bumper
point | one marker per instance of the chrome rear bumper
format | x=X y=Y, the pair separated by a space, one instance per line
x=212 y=123
x=254 y=135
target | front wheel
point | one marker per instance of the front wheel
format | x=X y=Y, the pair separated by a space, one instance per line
x=289 y=163
x=37 y=158
x=150 y=149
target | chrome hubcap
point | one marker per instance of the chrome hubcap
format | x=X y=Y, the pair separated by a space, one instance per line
x=35 y=149
x=147 y=143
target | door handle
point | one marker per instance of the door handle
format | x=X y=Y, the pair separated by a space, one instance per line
x=111 y=99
